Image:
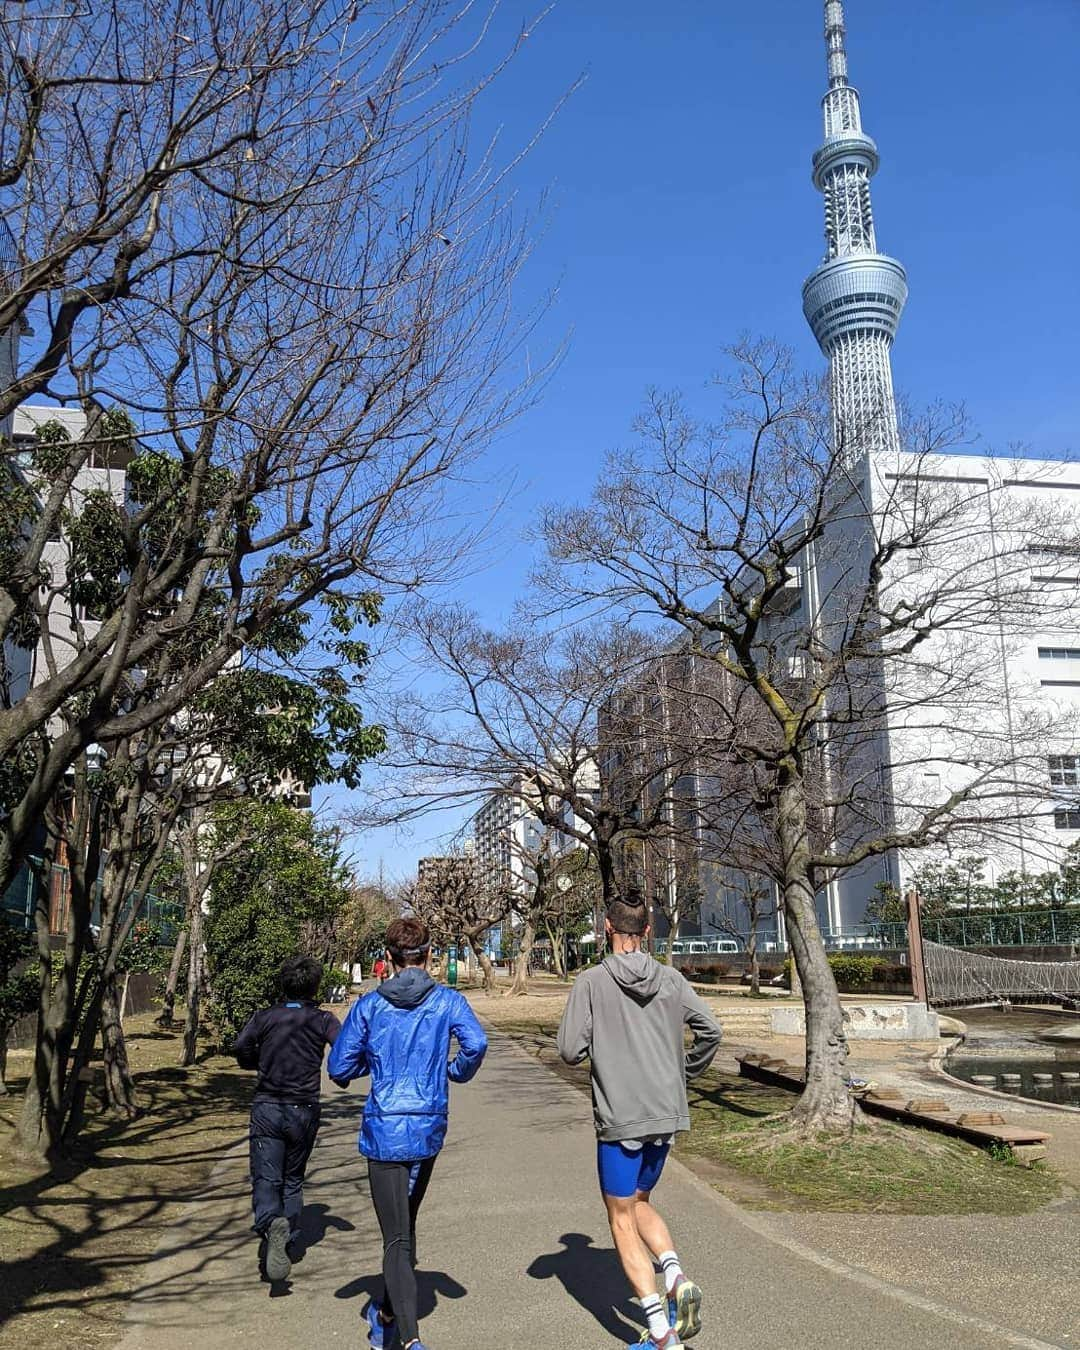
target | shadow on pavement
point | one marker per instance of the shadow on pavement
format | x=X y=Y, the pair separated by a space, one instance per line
x=431 y=1285
x=315 y=1222
x=592 y=1277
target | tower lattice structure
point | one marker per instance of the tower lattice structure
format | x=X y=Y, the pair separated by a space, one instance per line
x=854 y=300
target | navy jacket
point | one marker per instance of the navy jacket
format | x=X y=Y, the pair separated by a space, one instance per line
x=286 y=1043
x=400 y=1035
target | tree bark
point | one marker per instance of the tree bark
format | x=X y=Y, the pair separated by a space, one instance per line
x=3 y=1064
x=755 y=966
x=42 y=1121
x=825 y=1104
x=120 y=1093
x=168 y=1002
x=484 y=962
x=520 y=983
x=194 y=989
x=555 y=938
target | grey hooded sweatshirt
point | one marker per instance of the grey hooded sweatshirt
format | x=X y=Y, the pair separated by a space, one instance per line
x=627 y=1016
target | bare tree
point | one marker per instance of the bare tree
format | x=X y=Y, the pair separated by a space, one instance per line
x=535 y=718
x=254 y=252
x=861 y=609
x=452 y=899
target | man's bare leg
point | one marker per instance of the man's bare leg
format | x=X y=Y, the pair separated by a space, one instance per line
x=636 y=1259
x=651 y=1228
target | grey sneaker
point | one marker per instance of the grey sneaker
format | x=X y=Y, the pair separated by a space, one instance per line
x=684 y=1308
x=278 y=1264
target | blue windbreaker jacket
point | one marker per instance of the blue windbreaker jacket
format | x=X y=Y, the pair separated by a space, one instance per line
x=400 y=1035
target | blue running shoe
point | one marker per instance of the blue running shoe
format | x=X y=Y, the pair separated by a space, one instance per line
x=669 y=1341
x=380 y=1334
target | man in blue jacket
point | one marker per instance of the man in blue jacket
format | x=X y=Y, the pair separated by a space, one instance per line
x=400 y=1035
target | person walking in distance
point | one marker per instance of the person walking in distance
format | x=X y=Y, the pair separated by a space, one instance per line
x=626 y=1016
x=285 y=1043
x=400 y=1034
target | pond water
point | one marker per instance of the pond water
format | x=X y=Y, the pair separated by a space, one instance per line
x=1015 y=1050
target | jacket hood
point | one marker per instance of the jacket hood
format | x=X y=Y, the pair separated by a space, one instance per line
x=636 y=974
x=409 y=988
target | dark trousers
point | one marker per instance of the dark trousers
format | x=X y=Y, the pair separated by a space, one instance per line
x=397 y=1190
x=282 y=1136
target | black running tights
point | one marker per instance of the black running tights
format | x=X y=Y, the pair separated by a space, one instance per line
x=397 y=1189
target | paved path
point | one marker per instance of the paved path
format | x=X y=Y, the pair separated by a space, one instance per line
x=514 y=1251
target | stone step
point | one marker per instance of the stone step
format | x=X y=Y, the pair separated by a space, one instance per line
x=753 y=1024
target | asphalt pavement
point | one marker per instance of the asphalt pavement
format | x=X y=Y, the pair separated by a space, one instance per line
x=514 y=1251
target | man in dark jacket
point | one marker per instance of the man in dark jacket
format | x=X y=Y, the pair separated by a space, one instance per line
x=400 y=1035
x=285 y=1043
x=627 y=1017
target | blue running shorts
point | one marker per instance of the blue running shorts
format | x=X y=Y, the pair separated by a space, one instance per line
x=628 y=1166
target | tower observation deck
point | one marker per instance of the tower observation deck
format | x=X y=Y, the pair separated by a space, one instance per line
x=853 y=301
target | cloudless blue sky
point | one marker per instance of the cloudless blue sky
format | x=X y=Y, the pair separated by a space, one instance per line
x=678 y=212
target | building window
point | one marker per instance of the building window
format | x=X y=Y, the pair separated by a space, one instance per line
x=1064 y=770
x=1067 y=818
x=1059 y=653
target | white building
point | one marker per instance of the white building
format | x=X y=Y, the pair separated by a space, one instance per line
x=987 y=704
x=104 y=471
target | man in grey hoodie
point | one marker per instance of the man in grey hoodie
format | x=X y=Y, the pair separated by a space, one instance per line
x=627 y=1016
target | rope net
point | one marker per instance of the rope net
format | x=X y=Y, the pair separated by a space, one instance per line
x=954 y=975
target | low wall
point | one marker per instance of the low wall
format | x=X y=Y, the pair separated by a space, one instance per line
x=141 y=997
x=868 y=1022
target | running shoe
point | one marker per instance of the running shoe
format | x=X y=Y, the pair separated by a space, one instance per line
x=669 y=1341
x=380 y=1334
x=684 y=1308
x=278 y=1264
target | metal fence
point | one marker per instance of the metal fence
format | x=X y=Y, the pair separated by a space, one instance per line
x=989 y=928
x=21 y=898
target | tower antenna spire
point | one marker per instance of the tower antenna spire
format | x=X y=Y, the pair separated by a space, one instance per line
x=834 y=42
x=854 y=300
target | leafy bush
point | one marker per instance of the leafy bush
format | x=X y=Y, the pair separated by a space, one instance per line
x=18 y=988
x=851 y=972
x=711 y=972
x=145 y=952
x=282 y=895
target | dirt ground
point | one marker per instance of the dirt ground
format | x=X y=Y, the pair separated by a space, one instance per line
x=75 y=1241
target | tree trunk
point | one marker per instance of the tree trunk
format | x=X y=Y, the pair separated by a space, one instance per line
x=194 y=989
x=485 y=965
x=557 y=963
x=520 y=982
x=41 y=1122
x=79 y=1073
x=168 y=1003
x=755 y=965
x=119 y=1085
x=825 y=1104
x=3 y=1064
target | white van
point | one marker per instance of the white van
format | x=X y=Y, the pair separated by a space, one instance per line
x=727 y=946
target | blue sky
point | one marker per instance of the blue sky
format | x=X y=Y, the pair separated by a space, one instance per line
x=678 y=212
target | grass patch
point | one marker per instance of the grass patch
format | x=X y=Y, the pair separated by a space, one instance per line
x=884 y=1168
x=738 y=1142
x=76 y=1242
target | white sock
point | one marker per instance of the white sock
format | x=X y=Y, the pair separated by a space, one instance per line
x=669 y=1264
x=654 y=1311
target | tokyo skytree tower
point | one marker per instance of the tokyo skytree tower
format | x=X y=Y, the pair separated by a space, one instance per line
x=853 y=301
